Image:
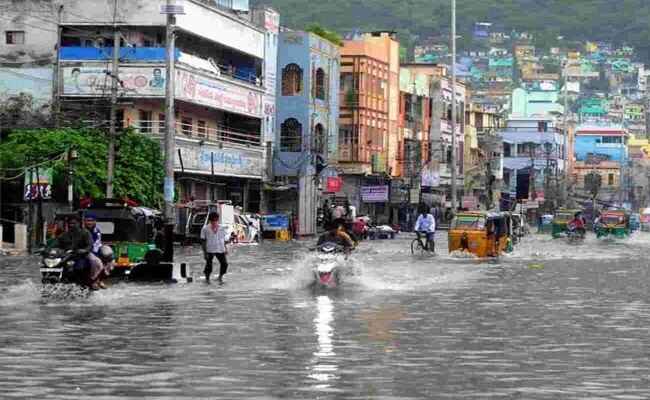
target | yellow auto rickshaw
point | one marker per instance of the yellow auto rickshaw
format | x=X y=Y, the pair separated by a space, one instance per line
x=484 y=234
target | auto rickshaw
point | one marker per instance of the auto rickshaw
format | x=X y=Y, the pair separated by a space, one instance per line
x=130 y=231
x=614 y=223
x=481 y=233
x=561 y=220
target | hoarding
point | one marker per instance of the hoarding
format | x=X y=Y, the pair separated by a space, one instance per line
x=207 y=159
x=215 y=93
x=38 y=186
x=334 y=184
x=374 y=194
x=97 y=81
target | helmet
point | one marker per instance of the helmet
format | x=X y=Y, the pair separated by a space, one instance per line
x=106 y=253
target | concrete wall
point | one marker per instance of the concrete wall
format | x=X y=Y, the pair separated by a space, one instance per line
x=38 y=19
x=593 y=144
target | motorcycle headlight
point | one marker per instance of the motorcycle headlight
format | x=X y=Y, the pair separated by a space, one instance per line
x=51 y=262
x=70 y=263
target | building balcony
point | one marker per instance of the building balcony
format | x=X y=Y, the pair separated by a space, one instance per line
x=220 y=137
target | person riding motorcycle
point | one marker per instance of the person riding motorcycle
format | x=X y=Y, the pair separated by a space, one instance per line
x=577 y=224
x=79 y=240
x=336 y=234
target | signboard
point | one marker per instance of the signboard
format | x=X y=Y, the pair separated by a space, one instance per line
x=334 y=184
x=96 y=81
x=214 y=93
x=430 y=176
x=470 y=202
x=374 y=194
x=38 y=186
x=398 y=192
x=206 y=159
x=275 y=222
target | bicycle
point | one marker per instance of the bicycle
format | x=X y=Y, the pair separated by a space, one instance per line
x=419 y=246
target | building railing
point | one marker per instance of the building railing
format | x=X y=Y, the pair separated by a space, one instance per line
x=194 y=131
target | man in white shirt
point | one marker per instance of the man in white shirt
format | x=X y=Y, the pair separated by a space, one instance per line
x=213 y=243
x=426 y=224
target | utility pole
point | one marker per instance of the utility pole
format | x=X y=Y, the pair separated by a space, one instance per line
x=566 y=134
x=115 y=65
x=454 y=202
x=170 y=122
x=57 y=69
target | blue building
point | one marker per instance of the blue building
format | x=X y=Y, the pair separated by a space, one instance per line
x=306 y=121
x=532 y=151
x=595 y=144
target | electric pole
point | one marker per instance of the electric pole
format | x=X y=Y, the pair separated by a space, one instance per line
x=115 y=65
x=566 y=133
x=454 y=202
x=170 y=122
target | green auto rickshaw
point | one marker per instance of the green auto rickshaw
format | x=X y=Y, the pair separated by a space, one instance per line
x=561 y=220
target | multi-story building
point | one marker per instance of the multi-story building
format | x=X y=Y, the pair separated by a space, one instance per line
x=483 y=158
x=221 y=86
x=369 y=106
x=602 y=150
x=307 y=121
x=533 y=158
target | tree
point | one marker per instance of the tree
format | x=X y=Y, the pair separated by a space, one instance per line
x=139 y=168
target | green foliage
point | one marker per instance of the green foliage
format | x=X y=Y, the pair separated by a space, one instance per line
x=138 y=165
x=325 y=34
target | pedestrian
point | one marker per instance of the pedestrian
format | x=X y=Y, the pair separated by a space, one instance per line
x=213 y=243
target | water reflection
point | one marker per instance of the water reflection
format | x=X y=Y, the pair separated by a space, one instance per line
x=324 y=369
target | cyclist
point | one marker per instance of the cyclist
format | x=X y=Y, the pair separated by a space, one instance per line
x=426 y=225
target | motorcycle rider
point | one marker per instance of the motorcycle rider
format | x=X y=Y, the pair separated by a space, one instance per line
x=79 y=241
x=98 y=271
x=577 y=224
x=336 y=234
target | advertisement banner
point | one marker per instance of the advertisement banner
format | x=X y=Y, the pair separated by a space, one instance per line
x=213 y=93
x=38 y=186
x=430 y=176
x=374 y=194
x=96 y=81
x=470 y=203
x=334 y=184
x=206 y=159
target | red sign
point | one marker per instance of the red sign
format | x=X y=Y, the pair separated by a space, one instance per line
x=334 y=184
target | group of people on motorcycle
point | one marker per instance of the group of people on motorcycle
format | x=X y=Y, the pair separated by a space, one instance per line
x=93 y=262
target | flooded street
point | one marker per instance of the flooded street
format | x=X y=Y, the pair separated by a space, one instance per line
x=551 y=321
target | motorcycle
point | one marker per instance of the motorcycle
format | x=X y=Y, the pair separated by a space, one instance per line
x=327 y=273
x=575 y=237
x=59 y=266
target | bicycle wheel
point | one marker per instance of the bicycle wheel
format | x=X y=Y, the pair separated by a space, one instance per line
x=416 y=247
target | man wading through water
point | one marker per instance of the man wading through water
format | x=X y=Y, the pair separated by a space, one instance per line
x=213 y=243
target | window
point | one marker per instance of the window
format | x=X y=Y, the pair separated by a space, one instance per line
x=542 y=126
x=612 y=139
x=291 y=80
x=186 y=126
x=507 y=150
x=320 y=89
x=610 y=180
x=15 y=37
x=291 y=135
x=320 y=140
x=145 y=121
x=161 y=123
x=201 y=128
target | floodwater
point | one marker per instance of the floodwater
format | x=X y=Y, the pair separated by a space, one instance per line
x=551 y=321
